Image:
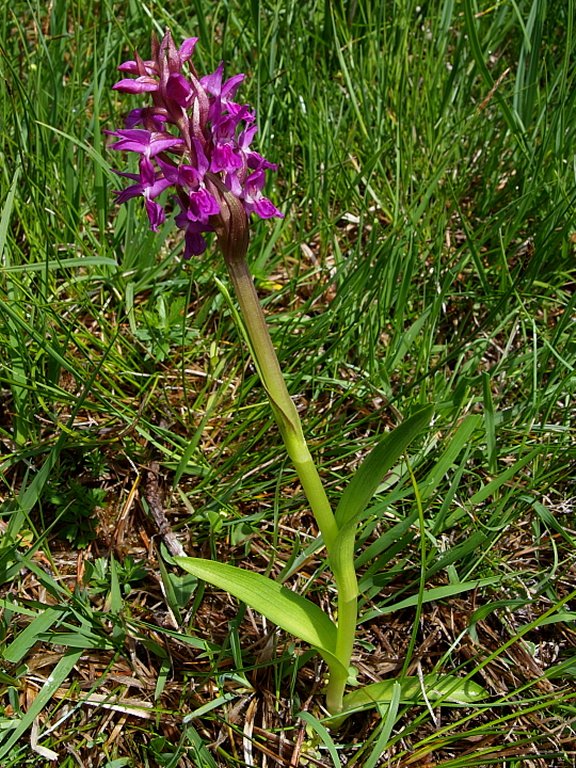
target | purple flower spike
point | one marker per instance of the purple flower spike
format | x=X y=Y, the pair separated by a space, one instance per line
x=194 y=138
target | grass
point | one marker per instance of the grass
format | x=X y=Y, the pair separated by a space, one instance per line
x=427 y=255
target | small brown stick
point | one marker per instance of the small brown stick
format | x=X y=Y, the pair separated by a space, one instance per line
x=153 y=496
x=493 y=90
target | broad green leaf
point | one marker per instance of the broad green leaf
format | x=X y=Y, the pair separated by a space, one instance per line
x=288 y=610
x=449 y=688
x=382 y=458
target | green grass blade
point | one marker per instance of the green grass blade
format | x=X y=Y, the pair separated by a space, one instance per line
x=458 y=441
x=20 y=646
x=479 y=57
x=390 y=714
x=324 y=735
x=7 y=213
x=504 y=477
x=56 y=679
x=430 y=595
x=490 y=424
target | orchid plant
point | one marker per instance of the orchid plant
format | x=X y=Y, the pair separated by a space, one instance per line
x=195 y=140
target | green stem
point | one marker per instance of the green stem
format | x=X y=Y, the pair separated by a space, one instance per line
x=339 y=544
x=342 y=563
x=347 y=617
x=284 y=409
x=231 y=227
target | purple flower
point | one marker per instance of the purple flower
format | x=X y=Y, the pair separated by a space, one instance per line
x=149 y=184
x=253 y=199
x=150 y=118
x=192 y=137
x=147 y=143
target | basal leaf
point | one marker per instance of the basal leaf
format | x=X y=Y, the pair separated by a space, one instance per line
x=383 y=456
x=288 y=610
x=449 y=688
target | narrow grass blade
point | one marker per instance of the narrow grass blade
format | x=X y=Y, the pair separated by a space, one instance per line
x=430 y=595
x=490 y=424
x=7 y=211
x=324 y=735
x=20 y=646
x=458 y=441
x=390 y=713
x=56 y=679
x=504 y=477
x=54 y=264
x=479 y=57
x=202 y=756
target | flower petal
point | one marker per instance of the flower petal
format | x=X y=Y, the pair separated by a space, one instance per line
x=187 y=48
x=142 y=84
x=212 y=83
x=156 y=214
x=179 y=89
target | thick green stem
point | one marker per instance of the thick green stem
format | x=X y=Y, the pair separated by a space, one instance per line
x=284 y=409
x=231 y=227
x=347 y=617
x=342 y=563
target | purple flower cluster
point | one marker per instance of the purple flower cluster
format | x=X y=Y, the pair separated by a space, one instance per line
x=194 y=138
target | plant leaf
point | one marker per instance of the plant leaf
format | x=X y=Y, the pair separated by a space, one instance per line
x=288 y=610
x=449 y=688
x=324 y=736
x=383 y=456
